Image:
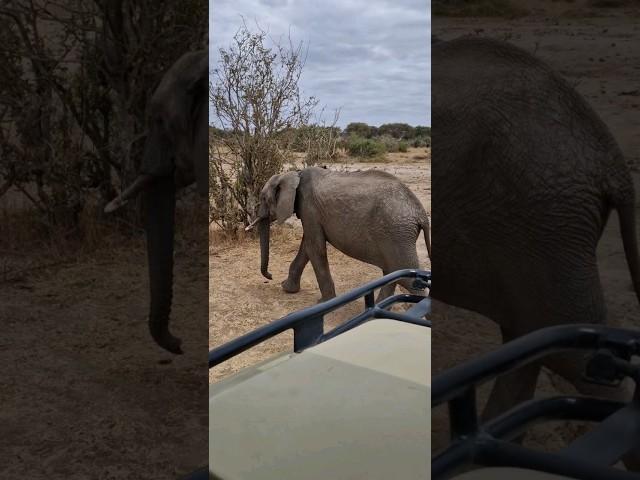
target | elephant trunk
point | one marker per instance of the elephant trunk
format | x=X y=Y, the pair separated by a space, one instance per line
x=160 y=200
x=264 y=227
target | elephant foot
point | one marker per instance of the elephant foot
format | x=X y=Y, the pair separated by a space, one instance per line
x=163 y=338
x=326 y=298
x=290 y=287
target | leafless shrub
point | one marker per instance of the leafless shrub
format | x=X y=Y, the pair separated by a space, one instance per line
x=257 y=107
x=75 y=77
x=321 y=142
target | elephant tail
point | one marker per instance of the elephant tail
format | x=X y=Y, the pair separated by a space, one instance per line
x=626 y=214
x=427 y=233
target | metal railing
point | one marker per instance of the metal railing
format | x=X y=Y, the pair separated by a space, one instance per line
x=308 y=324
x=490 y=444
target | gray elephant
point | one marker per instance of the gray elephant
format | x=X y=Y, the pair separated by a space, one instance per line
x=369 y=215
x=525 y=175
x=175 y=155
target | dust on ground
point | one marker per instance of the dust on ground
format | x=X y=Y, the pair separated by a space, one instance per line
x=599 y=55
x=85 y=392
x=242 y=300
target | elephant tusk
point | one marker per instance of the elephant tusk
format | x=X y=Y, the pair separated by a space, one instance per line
x=252 y=224
x=114 y=204
x=139 y=184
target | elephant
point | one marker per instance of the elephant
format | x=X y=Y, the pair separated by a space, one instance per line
x=175 y=155
x=368 y=215
x=525 y=175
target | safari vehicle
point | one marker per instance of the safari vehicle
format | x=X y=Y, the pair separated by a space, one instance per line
x=612 y=354
x=352 y=402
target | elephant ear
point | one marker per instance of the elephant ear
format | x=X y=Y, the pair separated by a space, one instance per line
x=287 y=186
x=197 y=74
x=197 y=77
x=199 y=93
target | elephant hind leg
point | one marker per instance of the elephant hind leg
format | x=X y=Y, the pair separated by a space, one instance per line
x=571 y=367
x=399 y=260
x=512 y=388
x=387 y=290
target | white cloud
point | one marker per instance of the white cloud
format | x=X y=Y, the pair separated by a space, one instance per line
x=369 y=57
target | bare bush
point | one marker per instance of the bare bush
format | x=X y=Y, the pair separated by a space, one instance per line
x=321 y=142
x=257 y=107
x=223 y=210
x=75 y=77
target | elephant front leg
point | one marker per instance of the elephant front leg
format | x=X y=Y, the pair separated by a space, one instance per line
x=292 y=283
x=317 y=253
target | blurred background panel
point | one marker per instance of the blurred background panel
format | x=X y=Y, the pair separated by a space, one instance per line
x=536 y=138
x=86 y=391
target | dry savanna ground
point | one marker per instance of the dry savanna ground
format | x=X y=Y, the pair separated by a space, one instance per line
x=242 y=300
x=85 y=392
x=597 y=50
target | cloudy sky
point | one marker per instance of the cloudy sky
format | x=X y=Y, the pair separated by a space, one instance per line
x=370 y=58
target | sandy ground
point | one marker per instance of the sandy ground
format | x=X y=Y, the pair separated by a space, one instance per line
x=600 y=56
x=85 y=393
x=242 y=300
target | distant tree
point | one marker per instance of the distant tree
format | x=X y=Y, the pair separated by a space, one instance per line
x=365 y=147
x=396 y=130
x=421 y=131
x=216 y=132
x=359 y=129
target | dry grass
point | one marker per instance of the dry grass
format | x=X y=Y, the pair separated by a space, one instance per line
x=33 y=247
x=411 y=155
x=610 y=3
x=478 y=8
x=34 y=244
x=517 y=9
x=74 y=306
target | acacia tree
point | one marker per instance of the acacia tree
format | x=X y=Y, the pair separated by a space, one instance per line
x=257 y=103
